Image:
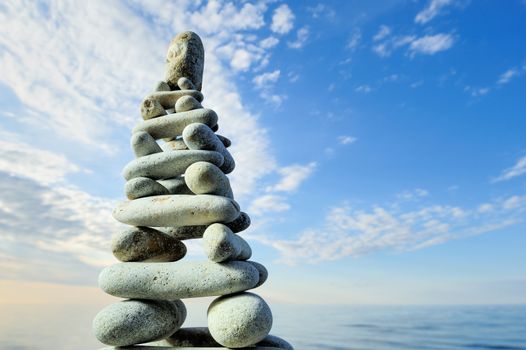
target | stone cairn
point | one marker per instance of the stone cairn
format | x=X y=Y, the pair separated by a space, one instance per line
x=175 y=194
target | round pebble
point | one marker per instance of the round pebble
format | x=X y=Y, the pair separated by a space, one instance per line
x=263 y=273
x=186 y=103
x=144 y=144
x=206 y=178
x=185 y=58
x=144 y=187
x=221 y=244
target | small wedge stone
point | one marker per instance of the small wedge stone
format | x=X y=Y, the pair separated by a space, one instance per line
x=140 y=187
x=144 y=144
x=221 y=244
x=166 y=165
x=176 y=185
x=185 y=84
x=176 y=210
x=206 y=178
x=151 y=108
x=199 y=136
x=146 y=244
x=175 y=145
x=177 y=280
x=162 y=86
x=187 y=103
x=185 y=58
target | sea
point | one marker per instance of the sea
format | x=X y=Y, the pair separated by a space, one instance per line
x=306 y=327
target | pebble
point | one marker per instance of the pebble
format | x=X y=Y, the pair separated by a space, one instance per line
x=272 y=341
x=151 y=108
x=199 y=136
x=168 y=99
x=140 y=187
x=185 y=84
x=146 y=244
x=176 y=210
x=221 y=244
x=185 y=58
x=175 y=145
x=144 y=144
x=226 y=142
x=176 y=185
x=177 y=280
x=241 y=223
x=206 y=178
x=239 y=320
x=165 y=165
x=162 y=86
x=172 y=125
x=186 y=103
x=136 y=321
x=263 y=273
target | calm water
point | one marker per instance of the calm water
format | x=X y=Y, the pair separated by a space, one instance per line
x=307 y=327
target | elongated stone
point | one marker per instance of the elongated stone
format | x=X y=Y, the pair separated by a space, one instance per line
x=239 y=320
x=221 y=244
x=136 y=321
x=168 y=99
x=177 y=280
x=166 y=165
x=263 y=273
x=172 y=125
x=176 y=210
x=206 y=178
x=272 y=341
x=187 y=103
x=146 y=244
x=140 y=187
x=185 y=58
x=176 y=185
x=144 y=144
x=199 y=136
x=226 y=142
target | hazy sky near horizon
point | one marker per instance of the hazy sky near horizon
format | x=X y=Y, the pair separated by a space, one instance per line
x=380 y=145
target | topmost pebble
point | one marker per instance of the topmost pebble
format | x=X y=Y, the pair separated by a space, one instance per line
x=185 y=58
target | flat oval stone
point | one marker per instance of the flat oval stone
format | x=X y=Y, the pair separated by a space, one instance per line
x=136 y=321
x=146 y=244
x=176 y=185
x=151 y=108
x=172 y=125
x=199 y=136
x=185 y=58
x=241 y=223
x=143 y=187
x=168 y=99
x=206 y=178
x=272 y=341
x=176 y=210
x=166 y=165
x=144 y=144
x=177 y=280
x=221 y=244
x=187 y=103
x=239 y=320
x=263 y=273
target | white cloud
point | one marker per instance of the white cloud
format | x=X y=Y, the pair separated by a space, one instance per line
x=508 y=75
x=241 y=60
x=292 y=177
x=269 y=42
x=431 y=11
x=412 y=195
x=431 y=44
x=346 y=140
x=383 y=32
x=354 y=40
x=282 y=20
x=301 y=38
x=477 y=91
x=364 y=89
x=268 y=203
x=266 y=79
x=517 y=170
x=265 y=83
x=321 y=10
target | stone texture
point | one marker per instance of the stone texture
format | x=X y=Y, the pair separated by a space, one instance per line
x=172 y=125
x=137 y=321
x=151 y=108
x=187 y=103
x=144 y=144
x=166 y=165
x=241 y=223
x=140 y=187
x=263 y=273
x=168 y=99
x=162 y=86
x=176 y=210
x=175 y=145
x=239 y=320
x=185 y=58
x=206 y=178
x=177 y=280
x=176 y=185
x=226 y=142
x=221 y=244
x=147 y=245
x=185 y=84
x=198 y=136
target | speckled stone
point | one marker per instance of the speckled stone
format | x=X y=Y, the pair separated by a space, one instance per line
x=185 y=84
x=172 y=125
x=151 y=108
x=177 y=280
x=168 y=99
x=176 y=185
x=241 y=223
x=206 y=178
x=174 y=145
x=263 y=273
x=185 y=58
x=137 y=321
x=146 y=244
x=176 y=210
x=144 y=144
x=143 y=187
x=187 y=103
x=166 y=165
x=239 y=320
x=162 y=86
x=199 y=136
x=221 y=244
x=226 y=142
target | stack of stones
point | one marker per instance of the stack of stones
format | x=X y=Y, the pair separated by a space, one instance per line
x=176 y=193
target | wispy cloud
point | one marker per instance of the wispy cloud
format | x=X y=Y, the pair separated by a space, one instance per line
x=433 y=8
x=516 y=170
x=346 y=139
x=383 y=32
x=282 y=20
x=321 y=10
x=265 y=83
x=354 y=40
x=425 y=45
x=508 y=75
x=364 y=89
x=268 y=203
x=292 y=177
x=302 y=35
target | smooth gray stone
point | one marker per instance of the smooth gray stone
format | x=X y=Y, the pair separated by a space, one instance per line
x=177 y=280
x=239 y=320
x=151 y=108
x=175 y=145
x=272 y=341
x=172 y=125
x=226 y=142
x=167 y=99
x=215 y=128
x=176 y=210
x=185 y=58
x=199 y=136
x=136 y=321
x=166 y=165
x=140 y=187
x=185 y=84
x=146 y=244
x=148 y=347
x=187 y=103
x=206 y=178
x=241 y=223
x=144 y=144
x=221 y=244
x=263 y=273
x=162 y=86
x=176 y=185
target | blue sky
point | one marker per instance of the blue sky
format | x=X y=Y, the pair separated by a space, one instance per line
x=380 y=146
